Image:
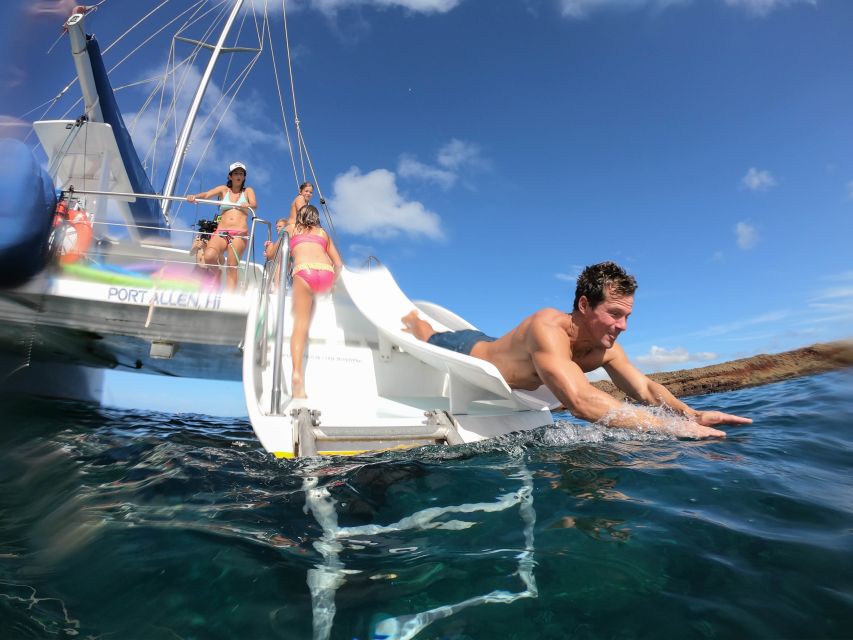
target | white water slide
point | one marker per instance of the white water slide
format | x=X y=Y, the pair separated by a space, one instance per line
x=371 y=385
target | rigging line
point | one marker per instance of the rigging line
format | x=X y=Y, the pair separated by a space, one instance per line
x=158 y=89
x=320 y=193
x=167 y=74
x=130 y=85
x=139 y=22
x=141 y=111
x=171 y=109
x=52 y=102
x=236 y=40
x=260 y=33
x=281 y=101
x=36 y=108
x=241 y=77
x=70 y=84
x=192 y=56
x=245 y=74
x=147 y=40
x=89 y=9
x=143 y=43
x=231 y=58
x=74 y=80
x=292 y=86
x=176 y=88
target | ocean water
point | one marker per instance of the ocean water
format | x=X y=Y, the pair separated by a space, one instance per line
x=123 y=524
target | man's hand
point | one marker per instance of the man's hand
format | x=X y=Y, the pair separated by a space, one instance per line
x=708 y=418
x=694 y=430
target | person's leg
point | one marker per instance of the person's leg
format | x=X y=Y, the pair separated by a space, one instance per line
x=233 y=251
x=210 y=258
x=213 y=250
x=303 y=305
x=419 y=328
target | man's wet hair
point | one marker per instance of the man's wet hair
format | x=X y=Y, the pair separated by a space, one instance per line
x=597 y=280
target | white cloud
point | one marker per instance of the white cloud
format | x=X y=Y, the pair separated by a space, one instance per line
x=409 y=167
x=583 y=8
x=658 y=357
x=459 y=154
x=454 y=158
x=850 y=190
x=572 y=275
x=11 y=127
x=772 y=317
x=843 y=276
x=762 y=8
x=835 y=293
x=370 y=204
x=331 y=7
x=836 y=300
x=758 y=180
x=358 y=254
x=747 y=236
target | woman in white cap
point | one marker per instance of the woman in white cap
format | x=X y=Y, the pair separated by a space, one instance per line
x=232 y=229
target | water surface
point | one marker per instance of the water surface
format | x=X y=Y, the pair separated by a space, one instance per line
x=128 y=524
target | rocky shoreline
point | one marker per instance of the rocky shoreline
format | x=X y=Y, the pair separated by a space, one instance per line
x=751 y=372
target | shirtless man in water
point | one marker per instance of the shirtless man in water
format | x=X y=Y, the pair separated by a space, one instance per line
x=555 y=348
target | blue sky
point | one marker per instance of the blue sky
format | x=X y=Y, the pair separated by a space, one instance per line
x=486 y=151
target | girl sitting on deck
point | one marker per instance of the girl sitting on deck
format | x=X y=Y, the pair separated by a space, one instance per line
x=316 y=264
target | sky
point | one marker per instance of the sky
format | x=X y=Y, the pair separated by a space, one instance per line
x=486 y=151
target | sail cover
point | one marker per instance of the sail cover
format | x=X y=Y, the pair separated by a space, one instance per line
x=145 y=212
x=27 y=203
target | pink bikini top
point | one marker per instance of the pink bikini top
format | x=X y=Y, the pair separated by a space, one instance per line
x=308 y=237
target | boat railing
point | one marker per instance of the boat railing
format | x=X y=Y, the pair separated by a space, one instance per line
x=244 y=265
x=276 y=277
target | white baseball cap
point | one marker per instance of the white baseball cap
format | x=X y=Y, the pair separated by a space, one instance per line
x=237 y=165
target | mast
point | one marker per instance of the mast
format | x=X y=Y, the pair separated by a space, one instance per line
x=180 y=147
x=80 y=54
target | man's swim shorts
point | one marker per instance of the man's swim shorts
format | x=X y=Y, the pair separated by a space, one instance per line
x=460 y=341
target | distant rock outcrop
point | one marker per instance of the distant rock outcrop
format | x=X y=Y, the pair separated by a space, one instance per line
x=751 y=372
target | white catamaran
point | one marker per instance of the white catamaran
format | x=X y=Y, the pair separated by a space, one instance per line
x=92 y=281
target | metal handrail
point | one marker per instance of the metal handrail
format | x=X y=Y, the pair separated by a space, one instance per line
x=278 y=347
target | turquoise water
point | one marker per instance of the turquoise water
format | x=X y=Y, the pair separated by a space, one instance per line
x=126 y=524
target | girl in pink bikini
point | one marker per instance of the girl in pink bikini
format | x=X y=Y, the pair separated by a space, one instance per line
x=316 y=264
x=232 y=231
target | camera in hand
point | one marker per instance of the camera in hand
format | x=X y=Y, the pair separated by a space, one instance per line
x=206 y=227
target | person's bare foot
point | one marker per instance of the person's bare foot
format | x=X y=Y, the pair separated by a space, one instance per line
x=421 y=329
x=410 y=320
x=297 y=386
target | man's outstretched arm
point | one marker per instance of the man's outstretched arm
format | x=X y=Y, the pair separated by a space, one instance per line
x=639 y=387
x=551 y=355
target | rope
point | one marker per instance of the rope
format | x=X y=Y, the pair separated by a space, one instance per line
x=278 y=90
x=303 y=147
x=292 y=91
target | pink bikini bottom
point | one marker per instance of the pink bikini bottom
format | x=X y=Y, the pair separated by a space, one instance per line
x=317 y=275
